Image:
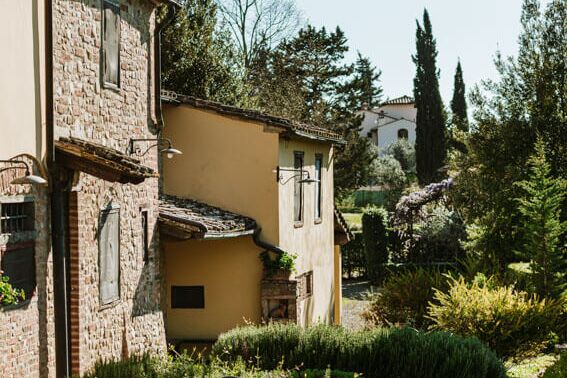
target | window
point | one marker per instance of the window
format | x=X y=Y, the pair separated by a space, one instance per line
x=318 y=176
x=16 y=217
x=305 y=285
x=187 y=297
x=403 y=134
x=110 y=46
x=145 y=236
x=109 y=255
x=298 y=187
x=18 y=264
x=309 y=284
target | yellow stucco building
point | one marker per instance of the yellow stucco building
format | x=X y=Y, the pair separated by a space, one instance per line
x=246 y=182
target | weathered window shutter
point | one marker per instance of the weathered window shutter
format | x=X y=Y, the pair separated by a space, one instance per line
x=298 y=187
x=109 y=255
x=111 y=43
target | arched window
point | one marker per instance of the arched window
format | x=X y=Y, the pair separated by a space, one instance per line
x=403 y=134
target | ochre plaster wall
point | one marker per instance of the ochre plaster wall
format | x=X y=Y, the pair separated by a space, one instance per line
x=226 y=162
x=313 y=241
x=230 y=271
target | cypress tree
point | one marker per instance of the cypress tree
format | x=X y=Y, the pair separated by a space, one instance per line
x=459 y=103
x=430 y=145
x=541 y=226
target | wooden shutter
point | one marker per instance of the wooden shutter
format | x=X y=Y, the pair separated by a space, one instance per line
x=111 y=43
x=298 y=187
x=318 y=185
x=109 y=255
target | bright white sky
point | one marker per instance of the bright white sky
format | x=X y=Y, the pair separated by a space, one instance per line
x=472 y=30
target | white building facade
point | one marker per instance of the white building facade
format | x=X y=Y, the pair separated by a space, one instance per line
x=389 y=122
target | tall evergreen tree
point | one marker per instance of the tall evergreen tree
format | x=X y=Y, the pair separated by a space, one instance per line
x=430 y=145
x=459 y=103
x=365 y=85
x=199 y=58
x=541 y=225
x=306 y=79
x=529 y=99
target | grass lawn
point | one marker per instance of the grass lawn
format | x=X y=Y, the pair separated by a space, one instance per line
x=354 y=220
x=530 y=367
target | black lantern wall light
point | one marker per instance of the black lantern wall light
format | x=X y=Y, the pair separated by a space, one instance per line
x=298 y=172
x=29 y=178
x=169 y=151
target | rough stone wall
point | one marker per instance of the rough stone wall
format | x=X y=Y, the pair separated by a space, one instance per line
x=27 y=347
x=85 y=109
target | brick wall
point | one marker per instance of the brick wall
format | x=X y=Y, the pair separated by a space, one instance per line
x=85 y=109
x=27 y=347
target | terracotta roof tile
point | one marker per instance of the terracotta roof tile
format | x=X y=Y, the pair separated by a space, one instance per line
x=101 y=161
x=404 y=100
x=293 y=127
x=186 y=218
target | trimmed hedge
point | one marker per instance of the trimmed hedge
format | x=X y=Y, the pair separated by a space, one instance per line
x=377 y=353
x=375 y=233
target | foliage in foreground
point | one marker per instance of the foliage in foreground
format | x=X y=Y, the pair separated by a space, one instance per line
x=377 y=353
x=189 y=365
x=405 y=297
x=509 y=322
x=8 y=294
x=559 y=369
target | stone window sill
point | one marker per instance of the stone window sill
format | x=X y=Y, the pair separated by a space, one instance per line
x=298 y=224
x=318 y=220
x=16 y=306
x=110 y=305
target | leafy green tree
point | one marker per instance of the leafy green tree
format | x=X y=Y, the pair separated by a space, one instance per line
x=198 y=57
x=306 y=79
x=430 y=119
x=404 y=152
x=528 y=99
x=391 y=177
x=541 y=225
x=459 y=103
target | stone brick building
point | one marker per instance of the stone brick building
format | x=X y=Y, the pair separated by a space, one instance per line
x=89 y=239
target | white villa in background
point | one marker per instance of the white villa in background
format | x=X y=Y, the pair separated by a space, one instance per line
x=392 y=120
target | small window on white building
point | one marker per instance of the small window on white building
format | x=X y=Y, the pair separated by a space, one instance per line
x=403 y=134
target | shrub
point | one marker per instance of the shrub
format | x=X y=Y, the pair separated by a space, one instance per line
x=438 y=237
x=133 y=367
x=510 y=322
x=391 y=177
x=375 y=234
x=354 y=257
x=282 y=261
x=378 y=353
x=8 y=294
x=405 y=296
x=404 y=152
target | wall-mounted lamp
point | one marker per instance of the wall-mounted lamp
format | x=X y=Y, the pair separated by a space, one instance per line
x=169 y=151
x=28 y=178
x=298 y=173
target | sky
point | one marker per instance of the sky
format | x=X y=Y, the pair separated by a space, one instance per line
x=469 y=30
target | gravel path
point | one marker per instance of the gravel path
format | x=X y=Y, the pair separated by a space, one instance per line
x=354 y=304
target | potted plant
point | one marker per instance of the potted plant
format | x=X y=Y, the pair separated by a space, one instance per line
x=278 y=266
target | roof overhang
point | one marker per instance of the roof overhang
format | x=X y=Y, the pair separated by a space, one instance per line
x=183 y=219
x=100 y=161
x=342 y=232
